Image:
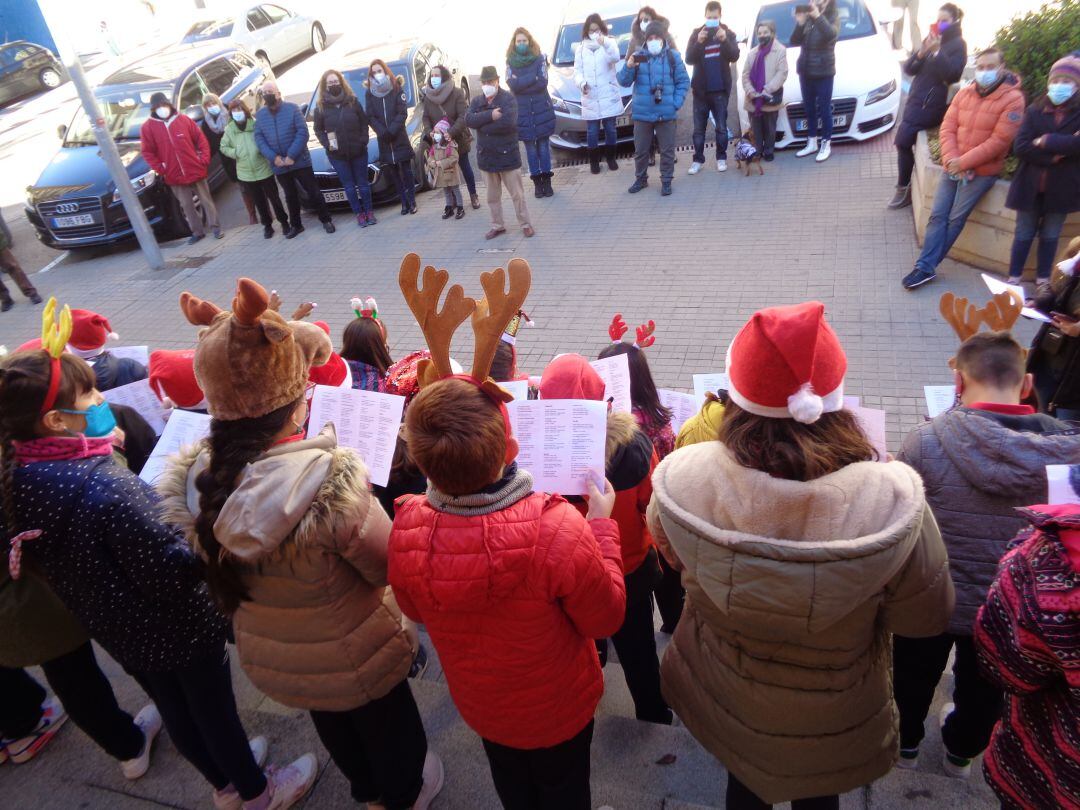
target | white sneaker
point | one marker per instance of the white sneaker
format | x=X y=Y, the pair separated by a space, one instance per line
x=259 y=746
x=433 y=781
x=149 y=722
x=290 y=784
x=809 y=149
x=695 y=167
x=26 y=748
x=824 y=151
x=954 y=766
x=721 y=165
x=909 y=759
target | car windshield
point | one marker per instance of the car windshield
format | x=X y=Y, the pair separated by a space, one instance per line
x=208 y=29
x=356 y=78
x=570 y=38
x=124 y=111
x=854 y=18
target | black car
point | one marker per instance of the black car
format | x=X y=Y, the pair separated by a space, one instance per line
x=27 y=68
x=74 y=202
x=411 y=60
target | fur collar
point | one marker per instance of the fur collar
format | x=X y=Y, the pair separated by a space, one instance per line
x=621 y=430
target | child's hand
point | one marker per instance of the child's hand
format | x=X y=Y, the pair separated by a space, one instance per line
x=303 y=310
x=601 y=504
x=275 y=301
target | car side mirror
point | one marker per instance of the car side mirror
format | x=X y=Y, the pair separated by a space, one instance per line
x=61 y=131
x=304 y=108
x=194 y=112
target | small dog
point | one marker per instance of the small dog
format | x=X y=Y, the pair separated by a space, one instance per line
x=747 y=154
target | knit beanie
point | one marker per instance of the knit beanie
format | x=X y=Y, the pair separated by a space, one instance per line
x=657 y=29
x=443 y=126
x=1067 y=67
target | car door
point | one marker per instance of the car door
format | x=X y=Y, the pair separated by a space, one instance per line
x=281 y=30
x=8 y=82
x=258 y=26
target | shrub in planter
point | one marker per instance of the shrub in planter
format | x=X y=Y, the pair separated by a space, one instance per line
x=1032 y=43
x=934 y=142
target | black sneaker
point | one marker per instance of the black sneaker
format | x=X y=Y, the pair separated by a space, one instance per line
x=268 y=231
x=329 y=227
x=6 y=304
x=665 y=188
x=918 y=277
x=35 y=298
x=193 y=239
x=639 y=184
x=460 y=212
x=448 y=212
x=294 y=231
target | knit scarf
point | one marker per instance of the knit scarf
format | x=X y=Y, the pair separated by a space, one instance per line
x=62 y=448
x=757 y=75
x=216 y=123
x=380 y=92
x=517 y=61
x=440 y=95
x=514 y=486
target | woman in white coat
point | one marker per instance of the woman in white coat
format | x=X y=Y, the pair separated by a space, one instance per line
x=601 y=96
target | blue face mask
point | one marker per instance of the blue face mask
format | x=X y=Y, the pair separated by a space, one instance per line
x=99 y=420
x=1060 y=92
x=711 y=23
x=985 y=78
x=435 y=82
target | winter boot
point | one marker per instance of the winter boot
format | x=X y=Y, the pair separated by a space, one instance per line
x=548 y=190
x=809 y=149
x=824 y=151
x=538 y=185
x=902 y=197
x=612 y=163
x=594 y=160
x=448 y=212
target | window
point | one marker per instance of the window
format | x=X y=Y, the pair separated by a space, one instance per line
x=420 y=65
x=256 y=20
x=275 y=13
x=7 y=56
x=853 y=19
x=24 y=52
x=219 y=75
x=242 y=63
x=191 y=94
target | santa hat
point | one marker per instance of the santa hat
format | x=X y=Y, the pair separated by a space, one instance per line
x=172 y=378
x=89 y=332
x=335 y=371
x=787 y=363
x=569 y=376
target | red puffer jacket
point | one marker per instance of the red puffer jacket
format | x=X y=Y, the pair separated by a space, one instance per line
x=980 y=129
x=178 y=151
x=512 y=601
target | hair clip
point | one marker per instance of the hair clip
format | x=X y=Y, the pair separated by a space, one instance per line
x=367 y=308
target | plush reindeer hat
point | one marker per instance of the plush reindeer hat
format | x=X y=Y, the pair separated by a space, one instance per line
x=251 y=361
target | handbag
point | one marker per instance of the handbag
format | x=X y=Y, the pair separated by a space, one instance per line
x=776 y=99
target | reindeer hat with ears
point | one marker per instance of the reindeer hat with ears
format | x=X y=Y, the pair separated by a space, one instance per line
x=251 y=361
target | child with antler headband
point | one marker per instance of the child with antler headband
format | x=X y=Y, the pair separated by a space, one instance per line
x=364 y=346
x=513 y=585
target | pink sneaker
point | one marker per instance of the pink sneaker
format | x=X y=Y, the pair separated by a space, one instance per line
x=286 y=786
x=25 y=749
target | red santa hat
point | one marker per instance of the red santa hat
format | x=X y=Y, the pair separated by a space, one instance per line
x=172 y=378
x=89 y=331
x=787 y=363
x=335 y=371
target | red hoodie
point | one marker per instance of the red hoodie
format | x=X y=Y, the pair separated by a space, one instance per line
x=177 y=150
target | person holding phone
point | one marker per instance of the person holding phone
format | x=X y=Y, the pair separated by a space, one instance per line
x=815 y=34
x=1054 y=357
x=712 y=50
x=601 y=98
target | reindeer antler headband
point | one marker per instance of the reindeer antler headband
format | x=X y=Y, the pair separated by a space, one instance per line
x=644 y=333
x=1000 y=313
x=54 y=337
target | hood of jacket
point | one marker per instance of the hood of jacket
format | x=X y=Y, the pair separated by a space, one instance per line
x=704 y=426
x=627 y=451
x=814 y=550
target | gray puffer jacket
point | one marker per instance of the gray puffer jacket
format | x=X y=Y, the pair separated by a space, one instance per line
x=978 y=467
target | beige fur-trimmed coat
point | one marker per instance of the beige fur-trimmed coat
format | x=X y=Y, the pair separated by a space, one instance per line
x=321 y=629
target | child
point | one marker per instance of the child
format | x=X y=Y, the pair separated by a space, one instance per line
x=630 y=462
x=512 y=585
x=172 y=378
x=703 y=426
x=335 y=371
x=294 y=547
x=124 y=574
x=363 y=347
x=442 y=164
x=89 y=334
x=504 y=367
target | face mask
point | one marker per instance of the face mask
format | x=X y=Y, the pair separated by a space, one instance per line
x=654 y=46
x=99 y=420
x=711 y=23
x=381 y=79
x=214 y=110
x=271 y=99
x=490 y=90
x=595 y=36
x=985 y=78
x=765 y=40
x=943 y=26
x=1060 y=92
x=333 y=90
x=438 y=137
x=645 y=23
x=436 y=82
x=522 y=48
x=239 y=116
x=162 y=112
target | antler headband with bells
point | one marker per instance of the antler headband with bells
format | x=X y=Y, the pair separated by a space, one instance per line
x=489 y=318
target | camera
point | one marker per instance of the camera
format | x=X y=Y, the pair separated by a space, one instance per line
x=642 y=55
x=657 y=94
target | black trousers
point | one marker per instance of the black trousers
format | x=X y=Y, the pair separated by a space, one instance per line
x=291 y=182
x=670 y=595
x=635 y=643
x=918 y=664
x=380 y=748
x=740 y=797
x=764 y=129
x=555 y=778
x=404 y=180
x=264 y=194
x=198 y=708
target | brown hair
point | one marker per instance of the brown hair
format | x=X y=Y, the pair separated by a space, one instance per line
x=534 y=46
x=347 y=91
x=784 y=448
x=589 y=21
x=456 y=436
x=992 y=358
x=386 y=68
x=239 y=104
x=364 y=341
x=502 y=366
x=643 y=394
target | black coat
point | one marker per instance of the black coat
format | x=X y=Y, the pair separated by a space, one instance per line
x=453 y=109
x=387 y=116
x=695 y=55
x=139 y=438
x=1053 y=168
x=214 y=139
x=349 y=123
x=496 y=141
x=1063 y=366
x=817 y=42
x=929 y=95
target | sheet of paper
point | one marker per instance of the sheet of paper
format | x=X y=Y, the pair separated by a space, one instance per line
x=141 y=397
x=683 y=406
x=709 y=382
x=615 y=372
x=140 y=354
x=872 y=422
x=183 y=429
x=366 y=421
x=996 y=285
x=519 y=388
x=852 y=402
x=1064 y=483
x=561 y=442
x=939 y=398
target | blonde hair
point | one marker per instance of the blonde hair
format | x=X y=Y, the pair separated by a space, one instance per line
x=211 y=98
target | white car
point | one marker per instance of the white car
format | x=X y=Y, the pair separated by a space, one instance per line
x=272 y=33
x=866 y=90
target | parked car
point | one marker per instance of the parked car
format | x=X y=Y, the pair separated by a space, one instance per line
x=274 y=34
x=27 y=68
x=74 y=202
x=413 y=61
x=866 y=91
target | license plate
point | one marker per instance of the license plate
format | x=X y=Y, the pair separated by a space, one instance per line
x=334 y=196
x=71 y=222
x=622 y=121
x=838 y=121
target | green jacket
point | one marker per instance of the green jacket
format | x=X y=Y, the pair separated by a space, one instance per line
x=239 y=144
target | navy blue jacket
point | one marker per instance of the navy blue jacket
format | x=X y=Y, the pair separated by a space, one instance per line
x=665 y=70
x=1054 y=168
x=387 y=116
x=536 y=115
x=496 y=141
x=130 y=579
x=701 y=56
x=283 y=133
x=111 y=371
x=928 y=98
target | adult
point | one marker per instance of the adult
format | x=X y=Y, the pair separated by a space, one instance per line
x=387 y=109
x=815 y=33
x=175 y=148
x=910 y=9
x=802 y=555
x=252 y=169
x=527 y=79
x=441 y=98
x=1054 y=357
x=281 y=134
x=712 y=49
x=494 y=117
x=215 y=119
x=601 y=97
x=341 y=125
x=1046 y=186
x=646 y=15
x=976 y=137
x=935 y=65
x=10 y=265
x=660 y=82
x=763 y=77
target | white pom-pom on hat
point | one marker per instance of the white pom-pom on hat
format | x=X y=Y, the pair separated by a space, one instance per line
x=805 y=406
x=356 y=304
x=113 y=336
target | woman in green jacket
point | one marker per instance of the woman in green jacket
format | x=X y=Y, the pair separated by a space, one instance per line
x=252 y=169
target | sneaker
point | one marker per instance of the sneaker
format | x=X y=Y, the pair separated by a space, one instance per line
x=361 y=219
x=259 y=747
x=294 y=231
x=329 y=227
x=448 y=212
x=460 y=212
x=196 y=238
x=909 y=758
x=149 y=722
x=268 y=231
x=433 y=781
x=902 y=197
x=419 y=663
x=35 y=298
x=695 y=167
x=954 y=766
x=290 y=784
x=218 y=234
x=918 y=277
x=665 y=188
x=528 y=231
x=810 y=148
x=371 y=218
x=824 y=151
x=494 y=232
x=639 y=184
x=26 y=748
x=721 y=165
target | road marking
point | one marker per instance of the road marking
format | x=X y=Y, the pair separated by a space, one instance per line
x=54 y=263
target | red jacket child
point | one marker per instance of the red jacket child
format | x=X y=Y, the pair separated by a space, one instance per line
x=175 y=148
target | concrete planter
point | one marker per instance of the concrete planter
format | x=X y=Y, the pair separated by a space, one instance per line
x=987 y=238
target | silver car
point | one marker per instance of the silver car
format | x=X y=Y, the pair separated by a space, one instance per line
x=272 y=33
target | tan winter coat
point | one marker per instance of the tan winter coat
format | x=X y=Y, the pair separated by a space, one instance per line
x=776 y=71
x=781 y=664
x=322 y=630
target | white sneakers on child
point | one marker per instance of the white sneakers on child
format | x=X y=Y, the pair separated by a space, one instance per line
x=229 y=799
x=824 y=151
x=149 y=722
x=695 y=167
x=290 y=784
x=721 y=165
x=809 y=149
x=26 y=748
x=954 y=766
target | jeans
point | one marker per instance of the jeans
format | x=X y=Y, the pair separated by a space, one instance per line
x=764 y=129
x=555 y=778
x=353 y=175
x=1029 y=224
x=817 y=99
x=186 y=196
x=10 y=265
x=643 y=137
x=717 y=104
x=452 y=195
x=291 y=182
x=918 y=664
x=264 y=195
x=592 y=132
x=905 y=165
x=538 y=153
x=635 y=644
x=953 y=203
x=467 y=171
x=740 y=797
x=380 y=748
x=401 y=175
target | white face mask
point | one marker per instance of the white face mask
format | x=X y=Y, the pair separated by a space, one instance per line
x=490 y=90
x=645 y=23
x=654 y=46
x=214 y=109
x=438 y=137
x=238 y=116
x=595 y=36
x=378 y=77
x=162 y=112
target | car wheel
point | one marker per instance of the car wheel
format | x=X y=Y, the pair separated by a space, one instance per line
x=264 y=63
x=465 y=89
x=318 y=38
x=420 y=172
x=50 y=78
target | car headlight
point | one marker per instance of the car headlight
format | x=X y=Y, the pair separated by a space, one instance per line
x=880 y=93
x=140 y=184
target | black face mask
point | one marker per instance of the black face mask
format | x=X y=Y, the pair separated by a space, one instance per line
x=765 y=40
x=271 y=99
x=334 y=91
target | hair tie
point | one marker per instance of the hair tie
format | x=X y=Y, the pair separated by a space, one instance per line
x=15 y=554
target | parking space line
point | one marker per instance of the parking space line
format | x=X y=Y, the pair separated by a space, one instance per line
x=54 y=263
